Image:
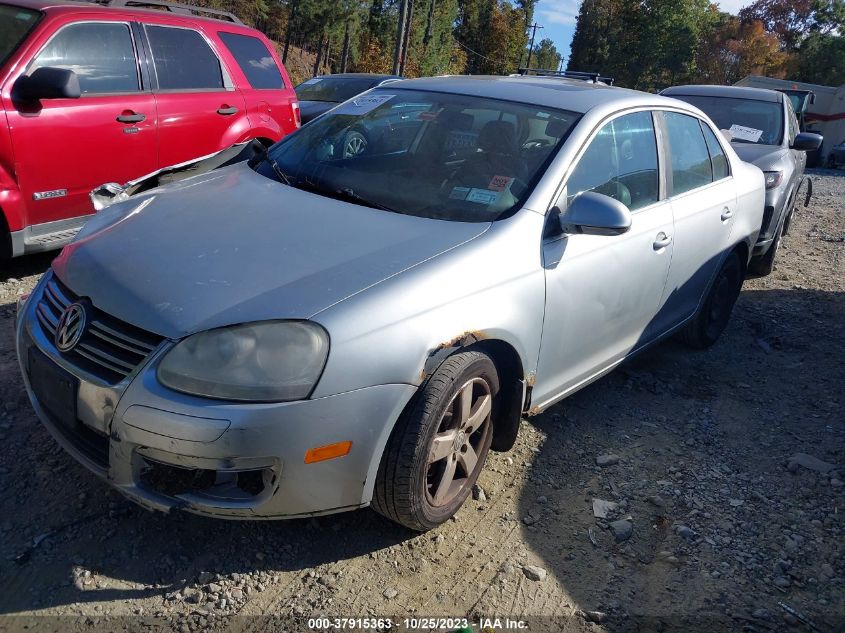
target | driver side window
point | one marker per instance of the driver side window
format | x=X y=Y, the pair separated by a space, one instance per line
x=620 y=162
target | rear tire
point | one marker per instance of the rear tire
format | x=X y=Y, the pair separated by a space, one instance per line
x=439 y=445
x=712 y=318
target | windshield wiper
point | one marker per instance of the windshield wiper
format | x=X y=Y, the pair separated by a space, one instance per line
x=264 y=156
x=278 y=170
x=350 y=196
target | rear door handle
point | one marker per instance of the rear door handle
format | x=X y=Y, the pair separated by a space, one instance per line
x=662 y=241
x=131 y=118
x=727 y=214
x=227 y=111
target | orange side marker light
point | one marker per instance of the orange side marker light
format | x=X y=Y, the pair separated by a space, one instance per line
x=322 y=453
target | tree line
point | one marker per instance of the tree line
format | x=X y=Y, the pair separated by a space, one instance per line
x=652 y=44
x=409 y=37
x=643 y=44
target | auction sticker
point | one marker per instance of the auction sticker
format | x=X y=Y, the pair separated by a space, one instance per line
x=499 y=183
x=745 y=133
x=459 y=193
x=363 y=104
x=482 y=196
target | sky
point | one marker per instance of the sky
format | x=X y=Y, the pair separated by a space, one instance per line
x=557 y=17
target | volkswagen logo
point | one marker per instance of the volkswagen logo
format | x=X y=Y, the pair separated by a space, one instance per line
x=71 y=327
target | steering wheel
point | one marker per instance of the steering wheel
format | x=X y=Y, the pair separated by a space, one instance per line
x=536 y=143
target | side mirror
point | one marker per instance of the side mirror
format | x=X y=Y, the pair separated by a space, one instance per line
x=807 y=142
x=47 y=83
x=595 y=214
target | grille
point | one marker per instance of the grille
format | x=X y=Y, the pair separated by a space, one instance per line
x=110 y=349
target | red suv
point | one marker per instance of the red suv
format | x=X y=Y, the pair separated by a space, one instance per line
x=96 y=92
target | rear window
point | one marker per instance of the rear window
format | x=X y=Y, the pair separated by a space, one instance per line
x=334 y=89
x=15 y=23
x=183 y=60
x=255 y=61
x=748 y=120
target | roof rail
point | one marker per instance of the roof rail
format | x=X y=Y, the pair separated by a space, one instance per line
x=173 y=7
x=567 y=74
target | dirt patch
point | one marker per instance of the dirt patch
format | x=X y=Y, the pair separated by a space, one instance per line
x=712 y=523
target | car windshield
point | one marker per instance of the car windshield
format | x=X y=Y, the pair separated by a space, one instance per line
x=15 y=23
x=429 y=154
x=748 y=120
x=334 y=89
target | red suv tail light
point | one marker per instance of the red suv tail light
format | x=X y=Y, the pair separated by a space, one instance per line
x=297 y=115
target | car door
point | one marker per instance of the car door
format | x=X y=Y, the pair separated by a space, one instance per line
x=602 y=292
x=64 y=148
x=199 y=109
x=270 y=104
x=703 y=200
x=799 y=157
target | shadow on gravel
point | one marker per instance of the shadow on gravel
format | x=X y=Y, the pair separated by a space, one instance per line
x=695 y=445
x=25 y=266
x=65 y=537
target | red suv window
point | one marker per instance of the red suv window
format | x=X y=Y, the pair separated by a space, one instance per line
x=100 y=53
x=183 y=59
x=255 y=61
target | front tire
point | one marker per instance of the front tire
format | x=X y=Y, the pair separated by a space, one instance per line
x=763 y=265
x=712 y=318
x=439 y=445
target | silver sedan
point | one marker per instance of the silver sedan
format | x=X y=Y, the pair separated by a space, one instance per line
x=318 y=330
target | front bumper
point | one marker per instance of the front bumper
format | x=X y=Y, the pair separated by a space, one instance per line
x=166 y=450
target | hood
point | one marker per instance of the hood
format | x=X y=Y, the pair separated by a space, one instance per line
x=233 y=246
x=764 y=156
x=312 y=109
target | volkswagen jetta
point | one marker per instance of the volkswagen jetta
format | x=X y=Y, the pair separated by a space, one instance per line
x=313 y=331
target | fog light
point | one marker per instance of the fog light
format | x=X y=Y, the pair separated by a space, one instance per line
x=322 y=453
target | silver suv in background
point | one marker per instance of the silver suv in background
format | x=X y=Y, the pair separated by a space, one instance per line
x=763 y=129
x=311 y=331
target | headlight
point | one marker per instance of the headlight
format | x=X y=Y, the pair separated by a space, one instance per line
x=773 y=178
x=270 y=361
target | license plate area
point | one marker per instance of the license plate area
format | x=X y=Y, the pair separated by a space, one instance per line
x=55 y=388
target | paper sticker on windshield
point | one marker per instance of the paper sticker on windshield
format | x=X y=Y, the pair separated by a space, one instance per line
x=459 y=193
x=499 y=183
x=745 y=133
x=363 y=104
x=482 y=196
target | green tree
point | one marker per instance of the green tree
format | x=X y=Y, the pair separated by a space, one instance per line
x=546 y=55
x=821 y=60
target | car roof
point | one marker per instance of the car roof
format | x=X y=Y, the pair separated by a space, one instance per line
x=731 y=92
x=550 y=92
x=359 y=76
x=91 y=6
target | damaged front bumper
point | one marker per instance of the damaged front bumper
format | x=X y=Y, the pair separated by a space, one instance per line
x=166 y=450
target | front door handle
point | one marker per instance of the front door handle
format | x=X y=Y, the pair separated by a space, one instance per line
x=727 y=214
x=131 y=117
x=227 y=111
x=662 y=241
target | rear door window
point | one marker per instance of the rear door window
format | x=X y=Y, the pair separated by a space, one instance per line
x=621 y=162
x=184 y=60
x=690 y=160
x=102 y=55
x=255 y=60
x=718 y=160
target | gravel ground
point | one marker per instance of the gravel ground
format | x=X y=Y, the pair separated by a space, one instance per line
x=712 y=522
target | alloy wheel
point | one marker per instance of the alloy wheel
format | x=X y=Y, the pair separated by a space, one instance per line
x=461 y=436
